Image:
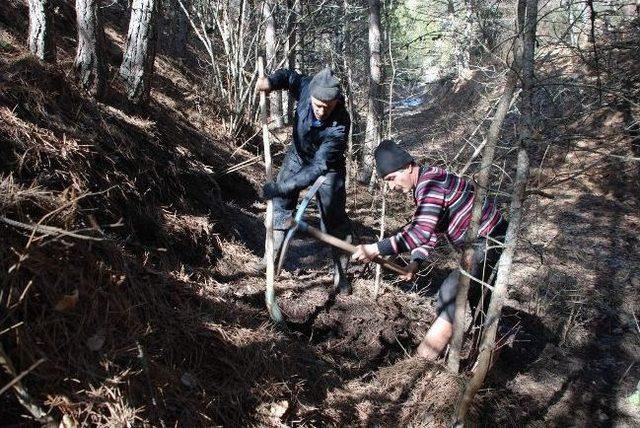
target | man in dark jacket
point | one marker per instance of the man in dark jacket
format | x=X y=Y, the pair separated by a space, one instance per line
x=320 y=129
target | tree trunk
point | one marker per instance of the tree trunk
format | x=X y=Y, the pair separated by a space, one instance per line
x=299 y=58
x=175 y=29
x=466 y=260
x=292 y=32
x=42 y=42
x=481 y=186
x=90 y=67
x=275 y=98
x=140 y=51
x=374 y=114
x=346 y=55
x=516 y=209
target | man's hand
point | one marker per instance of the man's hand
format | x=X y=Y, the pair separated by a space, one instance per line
x=263 y=85
x=271 y=190
x=411 y=269
x=365 y=253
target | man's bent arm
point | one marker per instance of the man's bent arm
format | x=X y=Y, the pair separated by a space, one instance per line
x=285 y=79
x=420 y=237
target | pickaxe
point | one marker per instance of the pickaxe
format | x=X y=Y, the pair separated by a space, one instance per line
x=300 y=224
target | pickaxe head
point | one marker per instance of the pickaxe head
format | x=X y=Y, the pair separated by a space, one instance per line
x=302 y=207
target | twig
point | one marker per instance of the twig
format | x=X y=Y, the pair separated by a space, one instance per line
x=48 y=230
x=378 y=279
x=18 y=378
x=145 y=368
x=60 y=208
x=11 y=328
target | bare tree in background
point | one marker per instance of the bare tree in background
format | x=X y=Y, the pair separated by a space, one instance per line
x=481 y=187
x=275 y=98
x=140 y=51
x=174 y=33
x=42 y=42
x=90 y=67
x=487 y=344
x=293 y=36
x=299 y=39
x=374 y=114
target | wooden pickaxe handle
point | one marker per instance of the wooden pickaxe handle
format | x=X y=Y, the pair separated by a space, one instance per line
x=270 y=293
x=347 y=247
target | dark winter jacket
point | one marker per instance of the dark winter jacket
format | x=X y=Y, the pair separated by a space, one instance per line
x=321 y=147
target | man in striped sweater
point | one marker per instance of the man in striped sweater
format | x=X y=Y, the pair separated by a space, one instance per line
x=443 y=210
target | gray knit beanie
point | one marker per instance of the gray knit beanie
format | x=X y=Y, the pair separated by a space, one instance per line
x=324 y=86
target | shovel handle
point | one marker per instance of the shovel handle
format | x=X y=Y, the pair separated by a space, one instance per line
x=349 y=248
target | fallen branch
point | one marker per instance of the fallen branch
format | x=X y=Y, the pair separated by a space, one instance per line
x=47 y=230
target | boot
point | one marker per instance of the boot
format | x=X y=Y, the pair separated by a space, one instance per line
x=341 y=282
x=260 y=267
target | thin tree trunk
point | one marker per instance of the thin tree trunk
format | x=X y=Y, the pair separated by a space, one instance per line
x=516 y=210
x=481 y=186
x=348 y=88
x=391 y=81
x=275 y=98
x=175 y=29
x=140 y=51
x=592 y=40
x=291 y=49
x=42 y=41
x=374 y=116
x=299 y=52
x=90 y=66
x=383 y=213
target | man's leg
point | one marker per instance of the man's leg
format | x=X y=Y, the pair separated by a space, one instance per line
x=332 y=200
x=436 y=339
x=440 y=332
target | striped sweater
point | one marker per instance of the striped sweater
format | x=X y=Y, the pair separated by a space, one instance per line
x=443 y=208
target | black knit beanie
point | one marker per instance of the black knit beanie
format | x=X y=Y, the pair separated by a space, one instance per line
x=390 y=158
x=324 y=86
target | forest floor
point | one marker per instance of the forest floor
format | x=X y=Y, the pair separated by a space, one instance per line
x=155 y=320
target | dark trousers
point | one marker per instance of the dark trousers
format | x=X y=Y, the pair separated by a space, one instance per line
x=331 y=197
x=486 y=254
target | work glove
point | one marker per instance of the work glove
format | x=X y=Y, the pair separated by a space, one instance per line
x=271 y=190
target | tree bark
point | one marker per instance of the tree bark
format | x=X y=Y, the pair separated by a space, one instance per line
x=481 y=187
x=275 y=97
x=175 y=29
x=374 y=115
x=90 y=67
x=292 y=32
x=299 y=51
x=346 y=54
x=42 y=42
x=516 y=209
x=140 y=51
